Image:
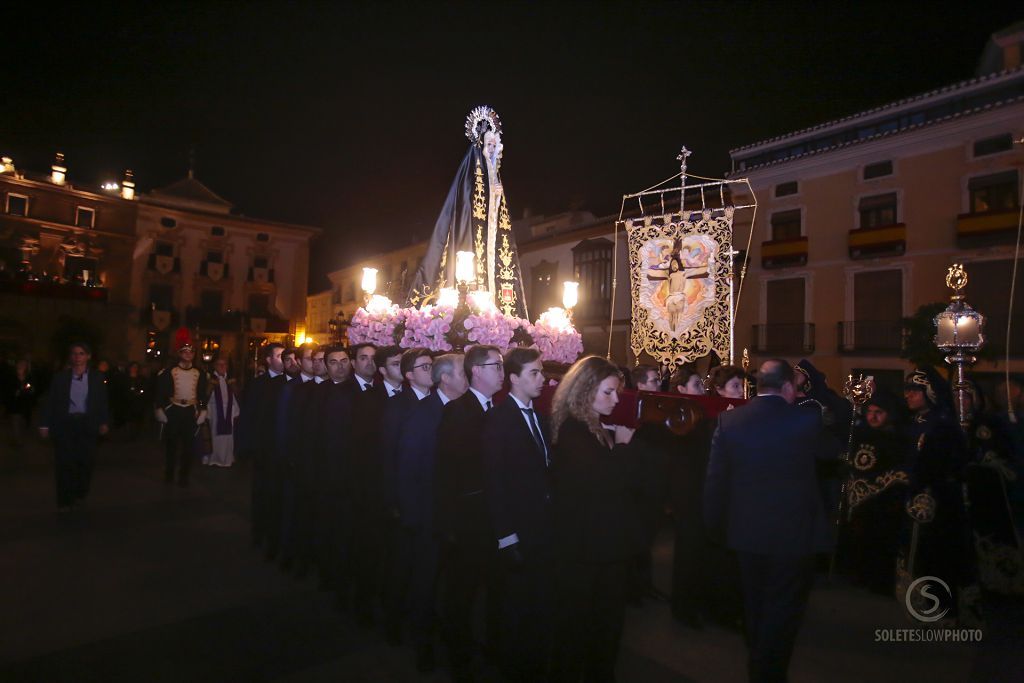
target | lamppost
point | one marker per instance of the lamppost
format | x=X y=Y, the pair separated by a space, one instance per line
x=959 y=332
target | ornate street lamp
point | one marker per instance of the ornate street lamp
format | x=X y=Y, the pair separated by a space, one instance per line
x=959 y=332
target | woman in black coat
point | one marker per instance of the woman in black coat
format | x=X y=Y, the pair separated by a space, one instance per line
x=595 y=480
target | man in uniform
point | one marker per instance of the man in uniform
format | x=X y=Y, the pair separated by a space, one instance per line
x=181 y=408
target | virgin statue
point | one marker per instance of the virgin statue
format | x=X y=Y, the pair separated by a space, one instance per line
x=475 y=218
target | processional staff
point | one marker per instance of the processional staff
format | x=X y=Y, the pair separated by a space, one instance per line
x=858 y=392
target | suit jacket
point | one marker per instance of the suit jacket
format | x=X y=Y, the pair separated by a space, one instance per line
x=516 y=480
x=762 y=488
x=459 y=482
x=366 y=461
x=416 y=458
x=335 y=415
x=54 y=414
x=396 y=410
x=595 y=489
x=256 y=425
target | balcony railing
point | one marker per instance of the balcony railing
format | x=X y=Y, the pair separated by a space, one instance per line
x=870 y=337
x=887 y=240
x=783 y=253
x=995 y=335
x=986 y=228
x=53 y=290
x=784 y=338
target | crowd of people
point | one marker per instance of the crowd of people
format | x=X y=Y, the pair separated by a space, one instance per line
x=423 y=489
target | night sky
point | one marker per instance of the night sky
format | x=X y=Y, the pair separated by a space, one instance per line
x=350 y=116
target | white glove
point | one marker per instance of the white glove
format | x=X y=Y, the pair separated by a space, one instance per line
x=201 y=418
x=160 y=415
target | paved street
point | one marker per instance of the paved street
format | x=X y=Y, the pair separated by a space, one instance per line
x=151 y=583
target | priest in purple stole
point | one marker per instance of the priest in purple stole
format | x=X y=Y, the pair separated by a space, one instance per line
x=223 y=410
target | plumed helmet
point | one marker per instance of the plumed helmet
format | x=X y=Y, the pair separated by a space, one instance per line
x=182 y=340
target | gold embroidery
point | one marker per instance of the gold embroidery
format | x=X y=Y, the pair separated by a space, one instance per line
x=865 y=457
x=922 y=508
x=861 y=490
x=479 y=200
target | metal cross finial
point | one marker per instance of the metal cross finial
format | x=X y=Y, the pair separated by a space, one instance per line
x=683 y=155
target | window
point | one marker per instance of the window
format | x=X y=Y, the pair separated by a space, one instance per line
x=211 y=301
x=85 y=217
x=161 y=297
x=786 y=225
x=988 y=283
x=877 y=313
x=786 y=189
x=259 y=262
x=784 y=331
x=993 y=145
x=592 y=264
x=350 y=292
x=80 y=267
x=259 y=305
x=878 y=210
x=544 y=286
x=163 y=249
x=168 y=222
x=217 y=231
x=17 y=205
x=215 y=257
x=996 y=192
x=878 y=170
x=262 y=237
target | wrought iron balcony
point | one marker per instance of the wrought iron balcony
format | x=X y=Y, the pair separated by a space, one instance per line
x=986 y=228
x=870 y=337
x=53 y=290
x=782 y=253
x=887 y=240
x=783 y=338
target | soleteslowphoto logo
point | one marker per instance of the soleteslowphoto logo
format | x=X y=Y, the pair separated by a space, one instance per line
x=922 y=601
x=928 y=599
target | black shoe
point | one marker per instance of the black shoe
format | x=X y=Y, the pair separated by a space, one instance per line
x=425 y=659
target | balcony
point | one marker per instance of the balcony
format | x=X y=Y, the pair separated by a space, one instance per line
x=870 y=337
x=995 y=336
x=784 y=253
x=886 y=240
x=53 y=290
x=213 y=321
x=986 y=228
x=783 y=338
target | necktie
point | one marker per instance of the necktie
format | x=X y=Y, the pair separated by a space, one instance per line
x=531 y=417
x=489 y=405
x=395 y=392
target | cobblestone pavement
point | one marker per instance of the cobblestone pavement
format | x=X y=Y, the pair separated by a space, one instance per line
x=154 y=583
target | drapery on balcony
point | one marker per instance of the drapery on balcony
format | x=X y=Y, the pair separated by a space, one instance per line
x=783 y=338
x=874 y=337
x=886 y=240
x=791 y=251
x=986 y=228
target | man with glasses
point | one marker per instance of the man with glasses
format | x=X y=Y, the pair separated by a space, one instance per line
x=462 y=517
x=416 y=366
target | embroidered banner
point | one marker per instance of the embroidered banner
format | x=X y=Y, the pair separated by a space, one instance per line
x=680 y=276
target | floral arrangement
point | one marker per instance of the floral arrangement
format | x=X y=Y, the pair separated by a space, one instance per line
x=444 y=327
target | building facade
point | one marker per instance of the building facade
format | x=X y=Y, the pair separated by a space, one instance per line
x=126 y=269
x=858 y=220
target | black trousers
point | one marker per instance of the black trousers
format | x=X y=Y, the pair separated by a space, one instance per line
x=526 y=621
x=469 y=568
x=412 y=587
x=775 y=591
x=590 y=608
x=179 y=442
x=74 y=449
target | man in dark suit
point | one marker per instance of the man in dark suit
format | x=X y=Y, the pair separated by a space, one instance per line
x=461 y=515
x=369 y=509
x=256 y=433
x=75 y=414
x=416 y=366
x=414 y=474
x=518 y=494
x=762 y=493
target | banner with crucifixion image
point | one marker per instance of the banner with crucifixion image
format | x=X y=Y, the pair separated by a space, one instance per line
x=679 y=266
